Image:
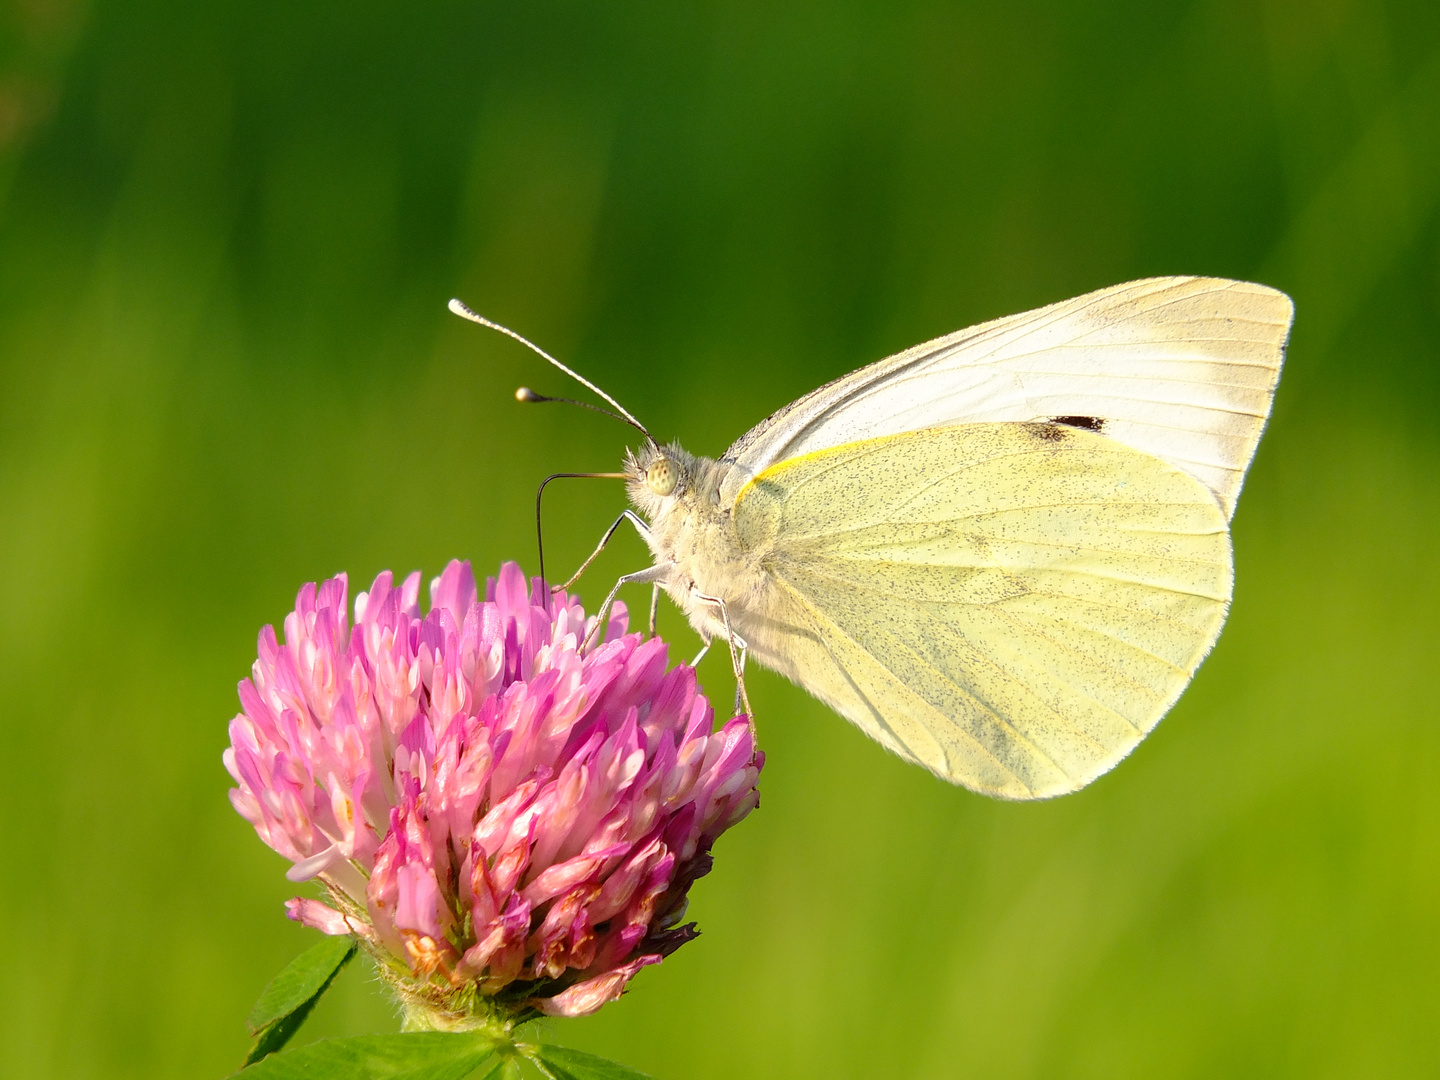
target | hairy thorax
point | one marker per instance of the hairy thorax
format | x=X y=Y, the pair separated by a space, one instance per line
x=693 y=539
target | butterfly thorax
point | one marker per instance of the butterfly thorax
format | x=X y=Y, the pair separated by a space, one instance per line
x=692 y=536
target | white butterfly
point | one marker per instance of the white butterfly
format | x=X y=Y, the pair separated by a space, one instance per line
x=1002 y=553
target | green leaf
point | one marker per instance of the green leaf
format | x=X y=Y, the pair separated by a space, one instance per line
x=506 y=1068
x=421 y=1055
x=286 y=1002
x=566 y=1064
x=301 y=981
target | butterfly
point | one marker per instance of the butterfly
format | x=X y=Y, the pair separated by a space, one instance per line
x=1003 y=553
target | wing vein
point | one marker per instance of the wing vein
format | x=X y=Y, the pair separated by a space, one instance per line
x=972 y=692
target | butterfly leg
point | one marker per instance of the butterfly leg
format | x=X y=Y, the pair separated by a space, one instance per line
x=654 y=606
x=644 y=530
x=648 y=576
x=738 y=649
x=701 y=654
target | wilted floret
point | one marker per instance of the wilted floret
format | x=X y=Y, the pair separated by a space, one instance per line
x=507 y=818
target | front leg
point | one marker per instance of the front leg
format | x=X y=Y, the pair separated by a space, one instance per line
x=640 y=527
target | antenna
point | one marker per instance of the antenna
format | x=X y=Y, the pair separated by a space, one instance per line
x=524 y=394
x=530 y=397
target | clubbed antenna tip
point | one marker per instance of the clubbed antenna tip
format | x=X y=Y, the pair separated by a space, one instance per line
x=459 y=307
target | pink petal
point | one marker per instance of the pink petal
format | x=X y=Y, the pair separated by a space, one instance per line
x=586 y=997
x=319 y=916
x=562 y=877
x=305 y=869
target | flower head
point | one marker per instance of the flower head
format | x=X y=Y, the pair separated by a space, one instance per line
x=508 y=818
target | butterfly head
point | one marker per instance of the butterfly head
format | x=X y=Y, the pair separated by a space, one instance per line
x=659 y=477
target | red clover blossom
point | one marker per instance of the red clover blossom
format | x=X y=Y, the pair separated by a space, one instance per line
x=508 y=820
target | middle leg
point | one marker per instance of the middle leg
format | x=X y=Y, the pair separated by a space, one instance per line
x=738 y=650
x=649 y=576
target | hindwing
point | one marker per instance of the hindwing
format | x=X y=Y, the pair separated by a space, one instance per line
x=1013 y=606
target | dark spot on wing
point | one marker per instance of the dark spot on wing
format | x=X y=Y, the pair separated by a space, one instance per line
x=1089 y=423
x=1048 y=432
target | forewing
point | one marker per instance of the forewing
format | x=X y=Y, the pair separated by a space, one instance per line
x=1013 y=606
x=1183 y=368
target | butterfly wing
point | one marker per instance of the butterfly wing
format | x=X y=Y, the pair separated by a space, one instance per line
x=1013 y=606
x=1183 y=368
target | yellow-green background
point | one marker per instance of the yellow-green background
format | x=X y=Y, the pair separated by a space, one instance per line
x=227 y=235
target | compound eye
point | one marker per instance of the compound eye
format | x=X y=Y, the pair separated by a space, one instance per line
x=661 y=476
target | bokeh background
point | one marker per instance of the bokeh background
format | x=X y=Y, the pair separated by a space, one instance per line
x=227 y=235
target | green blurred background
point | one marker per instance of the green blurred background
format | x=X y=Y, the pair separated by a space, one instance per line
x=227 y=235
